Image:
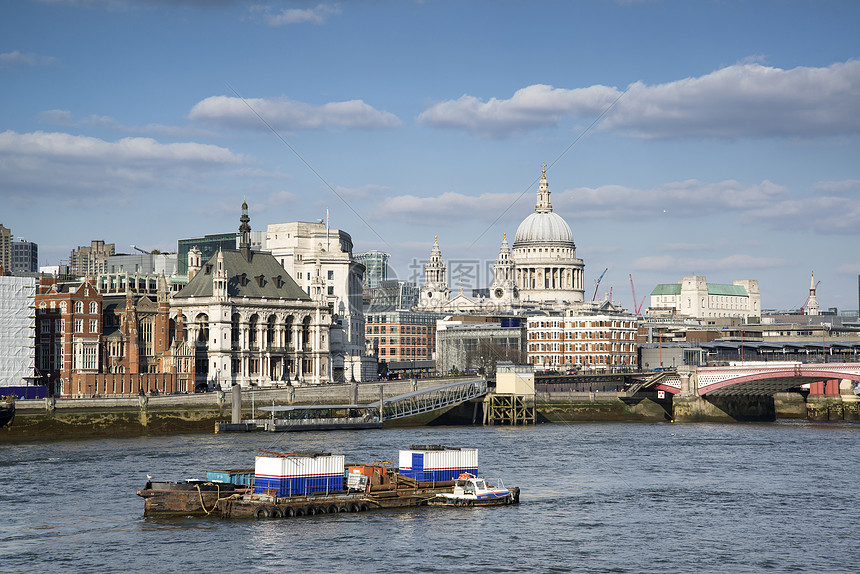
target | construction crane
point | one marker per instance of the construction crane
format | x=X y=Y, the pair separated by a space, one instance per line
x=636 y=308
x=597 y=283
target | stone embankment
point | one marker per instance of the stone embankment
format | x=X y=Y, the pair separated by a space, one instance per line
x=52 y=419
x=133 y=415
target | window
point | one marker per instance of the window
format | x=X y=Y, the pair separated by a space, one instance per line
x=46 y=325
x=79 y=325
x=79 y=307
x=62 y=306
x=330 y=275
x=94 y=308
x=330 y=290
x=90 y=356
x=94 y=326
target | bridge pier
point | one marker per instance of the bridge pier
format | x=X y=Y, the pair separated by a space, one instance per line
x=692 y=408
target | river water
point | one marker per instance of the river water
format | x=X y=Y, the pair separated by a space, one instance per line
x=777 y=497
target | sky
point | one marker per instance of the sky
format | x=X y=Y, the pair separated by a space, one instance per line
x=717 y=138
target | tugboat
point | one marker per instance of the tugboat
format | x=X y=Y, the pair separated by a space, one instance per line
x=470 y=490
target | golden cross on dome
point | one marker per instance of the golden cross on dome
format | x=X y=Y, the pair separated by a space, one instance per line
x=543 y=166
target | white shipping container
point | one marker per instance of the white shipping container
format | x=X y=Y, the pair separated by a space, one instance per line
x=465 y=459
x=292 y=466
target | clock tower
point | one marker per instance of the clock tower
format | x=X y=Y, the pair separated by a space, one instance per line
x=503 y=291
x=435 y=292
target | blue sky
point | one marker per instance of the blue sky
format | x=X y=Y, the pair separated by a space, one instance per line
x=726 y=146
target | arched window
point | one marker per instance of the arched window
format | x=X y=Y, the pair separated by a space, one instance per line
x=94 y=308
x=79 y=306
x=234 y=328
x=203 y=324
x=270 y=331
x=252 y=331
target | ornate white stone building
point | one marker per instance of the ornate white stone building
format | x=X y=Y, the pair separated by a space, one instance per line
x=694 y=297
x=541 y=272
x=249 y=322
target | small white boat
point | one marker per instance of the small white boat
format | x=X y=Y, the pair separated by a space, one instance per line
x=470 y=490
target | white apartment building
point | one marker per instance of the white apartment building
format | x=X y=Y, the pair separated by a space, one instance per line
x=603 y=343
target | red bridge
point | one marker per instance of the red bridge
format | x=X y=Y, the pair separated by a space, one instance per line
x=755 y=378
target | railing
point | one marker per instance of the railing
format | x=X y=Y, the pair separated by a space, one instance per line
x=432 y=399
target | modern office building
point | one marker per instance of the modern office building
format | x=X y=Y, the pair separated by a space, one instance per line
x=375 y=267
x=25 y=256
x=208 y=246
x=91 y=260
x=401 y=335
x=5 y=248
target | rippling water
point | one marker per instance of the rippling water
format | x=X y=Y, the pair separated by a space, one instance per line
x=595 y=498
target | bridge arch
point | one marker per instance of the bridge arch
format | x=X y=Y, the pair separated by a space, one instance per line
x=777 y=380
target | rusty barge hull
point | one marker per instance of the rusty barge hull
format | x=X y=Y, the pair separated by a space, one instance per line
x=288 y=507
x=240 y=503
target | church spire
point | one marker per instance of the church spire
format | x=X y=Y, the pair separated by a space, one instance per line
x=245 y=232
x=543 y=203
x=812 y=302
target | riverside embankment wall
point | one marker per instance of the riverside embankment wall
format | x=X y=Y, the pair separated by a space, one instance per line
x=53 y=419
x=133 y=415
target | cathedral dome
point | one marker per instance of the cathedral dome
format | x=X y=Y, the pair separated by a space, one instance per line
x=543 y=227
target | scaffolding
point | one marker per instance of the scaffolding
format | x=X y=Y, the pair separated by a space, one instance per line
x=509 y=409
x=17 y=330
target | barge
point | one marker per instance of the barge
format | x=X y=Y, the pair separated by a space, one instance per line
x=285 y=485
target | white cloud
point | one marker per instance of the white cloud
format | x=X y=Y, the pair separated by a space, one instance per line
x=838 y=187
x=690 y=198
x=316 y=15
x=703 y=266
x=743 y=100
x=16 y=58
x=825 y=215
x=283 y=113
x=73 y=167
x=446 y=209
x=530 y=108
x=64 y=118
x=63 y=147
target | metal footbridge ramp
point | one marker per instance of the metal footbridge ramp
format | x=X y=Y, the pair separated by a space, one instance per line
x=434 y=399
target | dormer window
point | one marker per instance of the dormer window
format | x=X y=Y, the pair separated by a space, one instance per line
x=243 y=279
x=279 y=281
x=208 y=270
x=261 y=280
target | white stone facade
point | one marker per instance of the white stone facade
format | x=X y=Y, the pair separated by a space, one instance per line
x=694 y=297
x=321 y=258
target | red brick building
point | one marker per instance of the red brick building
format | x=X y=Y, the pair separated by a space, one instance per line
x=68 y=331
x=87 y=344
